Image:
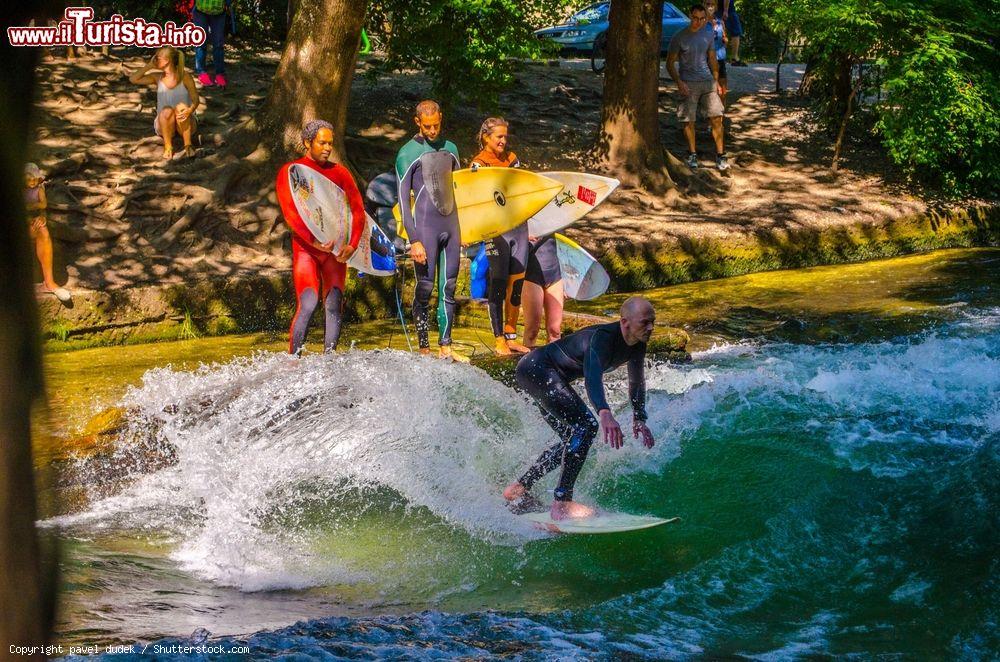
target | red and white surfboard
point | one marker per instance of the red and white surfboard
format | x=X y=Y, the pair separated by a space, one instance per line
x=581 y=193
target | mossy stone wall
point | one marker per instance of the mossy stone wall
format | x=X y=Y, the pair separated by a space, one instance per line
x=638 y=266
x=266 y=302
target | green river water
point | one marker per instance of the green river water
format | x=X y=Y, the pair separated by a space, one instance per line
x=832 y=450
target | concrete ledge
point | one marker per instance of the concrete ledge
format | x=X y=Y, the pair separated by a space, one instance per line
x=638 y=266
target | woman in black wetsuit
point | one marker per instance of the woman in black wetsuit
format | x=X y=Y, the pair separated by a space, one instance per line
x=508 y=253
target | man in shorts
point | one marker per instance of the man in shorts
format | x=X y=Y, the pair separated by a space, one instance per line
x=697 y=78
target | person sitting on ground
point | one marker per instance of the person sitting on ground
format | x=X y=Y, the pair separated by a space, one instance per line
x=176 y=98
x=543 y=291
x=734 y=28
x=546 y=373
x=718 y=28
x=318 y=273
x=508 y=253
x=698 y=82
x=210 y=15
x=35 y=204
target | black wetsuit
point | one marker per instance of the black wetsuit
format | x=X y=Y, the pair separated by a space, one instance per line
x=507 y=255
x=546 y=373
x=543 y=263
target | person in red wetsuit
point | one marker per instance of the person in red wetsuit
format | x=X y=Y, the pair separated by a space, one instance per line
x=317 y=271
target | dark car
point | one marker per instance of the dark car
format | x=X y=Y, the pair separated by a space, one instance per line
x=588 y=26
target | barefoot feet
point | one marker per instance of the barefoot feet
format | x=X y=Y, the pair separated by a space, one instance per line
x=514 y=491
x=570 y=510
x=447 y=353
x=517 y=347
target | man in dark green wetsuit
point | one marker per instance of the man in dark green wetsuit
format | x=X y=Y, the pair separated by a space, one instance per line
x=424 y=167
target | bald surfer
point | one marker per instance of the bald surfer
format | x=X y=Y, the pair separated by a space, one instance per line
x=546 y=373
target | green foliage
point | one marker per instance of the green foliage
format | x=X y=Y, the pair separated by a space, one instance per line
x=925 y=72
x=188 y=330
x=261 y=20
x=60 y=330
x=759 y=41
x=941 y=120
x=157 y=11
x=256 y=20
x=469 y=48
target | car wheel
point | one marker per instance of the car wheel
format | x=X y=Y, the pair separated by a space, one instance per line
x=599 y=52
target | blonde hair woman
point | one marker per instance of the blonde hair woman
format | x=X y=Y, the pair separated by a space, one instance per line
x=176 y=98
x=508 y=253
x=35 y=204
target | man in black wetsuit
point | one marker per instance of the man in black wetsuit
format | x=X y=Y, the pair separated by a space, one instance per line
x=546 y=374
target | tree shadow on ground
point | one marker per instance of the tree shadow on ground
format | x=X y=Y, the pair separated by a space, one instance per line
x=123 y=198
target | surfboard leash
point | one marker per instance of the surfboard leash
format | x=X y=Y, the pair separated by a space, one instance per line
x=397 y=286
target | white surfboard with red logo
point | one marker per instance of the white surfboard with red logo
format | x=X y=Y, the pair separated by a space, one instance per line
x=581 y=193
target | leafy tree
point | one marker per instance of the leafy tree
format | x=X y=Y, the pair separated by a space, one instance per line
x=930 y=64
x=759 y=41
x=941 y=120
x=470 y=48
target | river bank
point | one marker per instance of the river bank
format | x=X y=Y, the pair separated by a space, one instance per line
x=226 y=268
x=265 y=303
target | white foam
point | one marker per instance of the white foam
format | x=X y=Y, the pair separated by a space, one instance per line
x=270 y=449
x=248 y=446
x=717 y=350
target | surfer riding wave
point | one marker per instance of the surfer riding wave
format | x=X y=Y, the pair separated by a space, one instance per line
x=546 y=373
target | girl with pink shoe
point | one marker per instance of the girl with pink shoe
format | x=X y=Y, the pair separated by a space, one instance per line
x=210 y=15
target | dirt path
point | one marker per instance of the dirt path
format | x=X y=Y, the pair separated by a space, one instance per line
x=754 y=78
x=114 y=200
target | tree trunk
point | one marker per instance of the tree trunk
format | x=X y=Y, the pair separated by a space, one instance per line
x=628 y=144
x=808 y=76
x=314 y=76
x=289 y=15
x=26 y=590
x=839 y=87
x=843 y=124
x=777 y=67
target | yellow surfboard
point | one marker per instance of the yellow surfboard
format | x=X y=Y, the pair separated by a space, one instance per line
x=491 y=201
